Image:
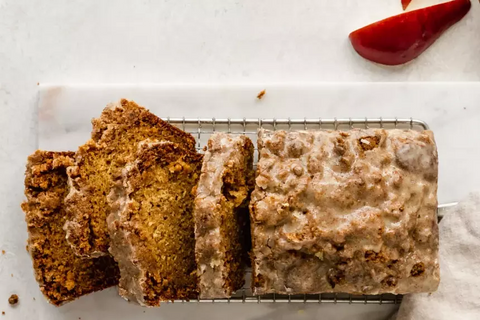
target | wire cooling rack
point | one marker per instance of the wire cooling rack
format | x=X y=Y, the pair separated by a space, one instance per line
x=202 y=128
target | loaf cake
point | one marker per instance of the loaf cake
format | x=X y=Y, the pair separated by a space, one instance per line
x=351 y=212
x=222 y=195
x=151 y=224
x=62 y=275
x=98 y=164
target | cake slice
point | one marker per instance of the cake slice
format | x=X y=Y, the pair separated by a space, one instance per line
x=62 y=275
x=351 y=212
x=98 y=164
x=151 y=224
x=220 y=217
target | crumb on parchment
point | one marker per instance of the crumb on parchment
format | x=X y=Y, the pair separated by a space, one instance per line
x=261 y=94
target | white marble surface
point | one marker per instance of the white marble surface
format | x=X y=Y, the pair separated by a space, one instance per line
x=210 y=41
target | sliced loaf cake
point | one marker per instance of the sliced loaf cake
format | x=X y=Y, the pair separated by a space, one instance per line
x=98 y=165
x=151 y=224
x=221 y=214
x=62 y=275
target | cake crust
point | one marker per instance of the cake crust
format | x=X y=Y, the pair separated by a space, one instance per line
x=62 y=275
x=98 y=165
x=151 y=224
x=351 y=212
x=222 y=195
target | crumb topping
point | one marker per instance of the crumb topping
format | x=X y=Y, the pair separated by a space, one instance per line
x=350 y=211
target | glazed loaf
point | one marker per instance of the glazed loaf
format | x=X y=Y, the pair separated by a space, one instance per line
x=351 y=212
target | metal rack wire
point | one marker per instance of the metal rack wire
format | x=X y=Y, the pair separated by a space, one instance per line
x=202 y=128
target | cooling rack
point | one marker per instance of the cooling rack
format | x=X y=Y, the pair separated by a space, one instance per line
x=202 y=128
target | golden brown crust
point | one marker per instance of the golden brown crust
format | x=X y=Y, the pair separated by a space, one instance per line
x=220 y=217
x=62 y=276
x=131 y=114
x=98 y=164
x=350 y=212
x=151 y=224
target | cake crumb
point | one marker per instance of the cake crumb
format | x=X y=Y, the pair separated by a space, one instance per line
x=11 y=274
x=261 y=94
x=13 y=300
x=3 y=251
x=3 y=313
